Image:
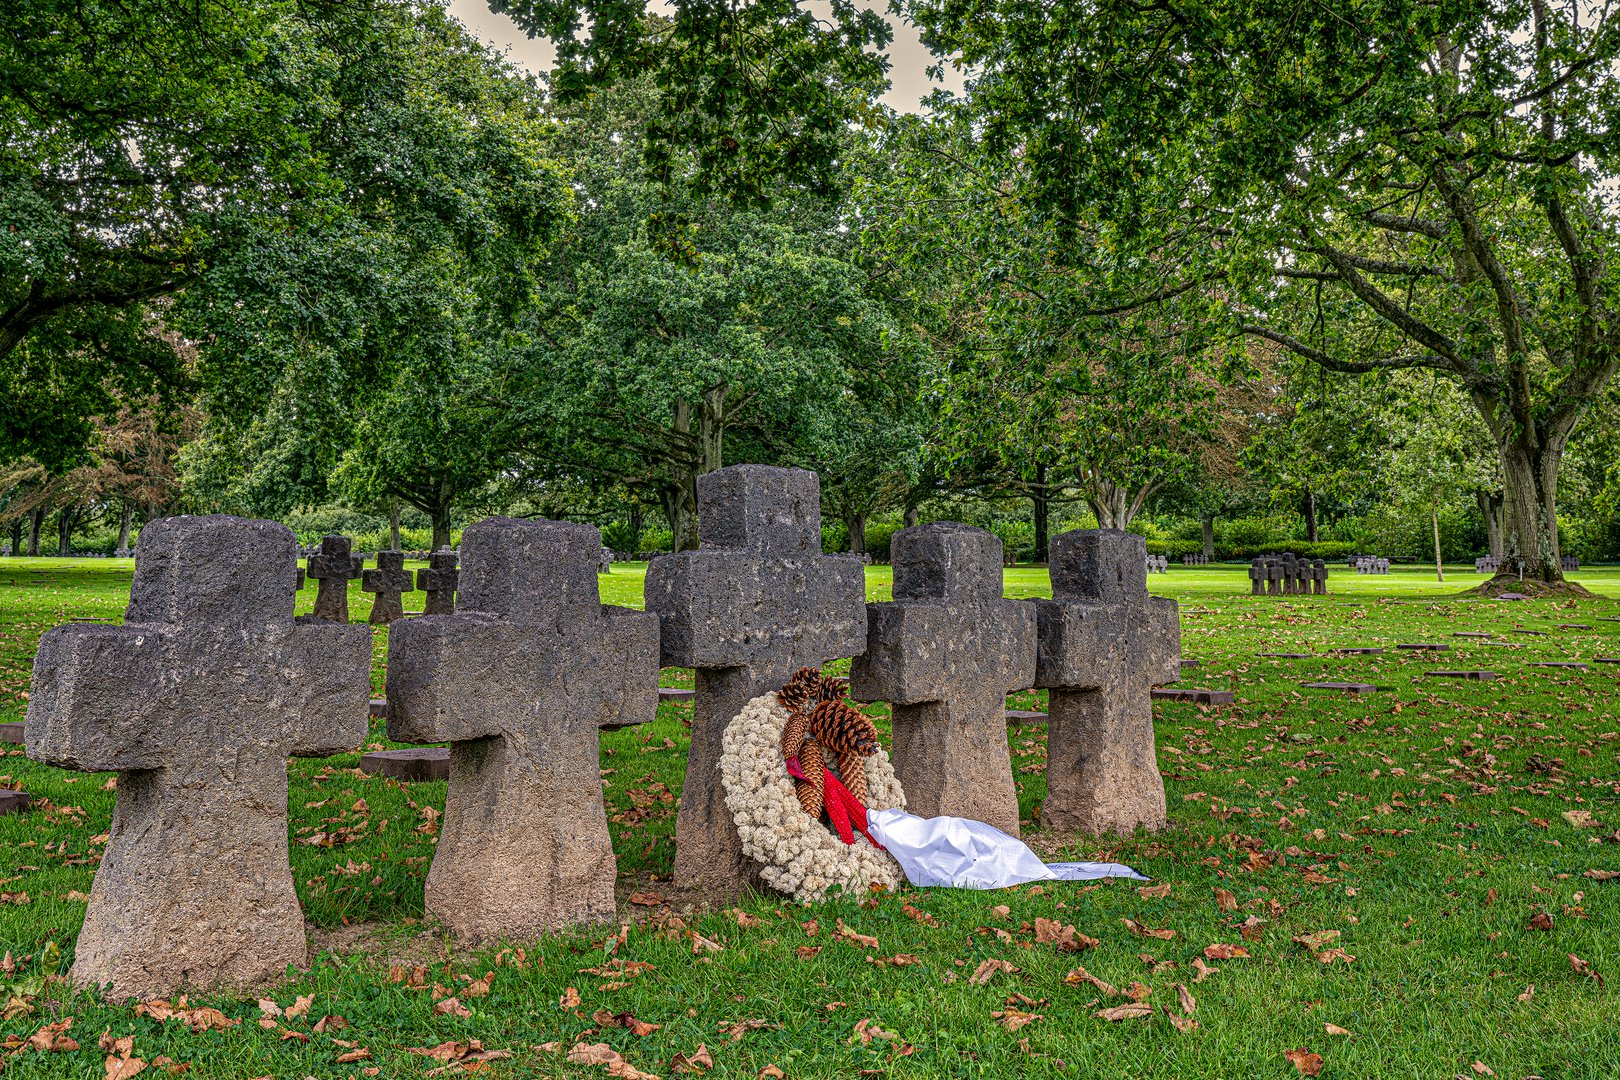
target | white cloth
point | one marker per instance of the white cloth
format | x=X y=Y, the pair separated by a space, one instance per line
x=965 y=854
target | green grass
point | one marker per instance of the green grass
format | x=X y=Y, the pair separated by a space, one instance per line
x=1424 y=822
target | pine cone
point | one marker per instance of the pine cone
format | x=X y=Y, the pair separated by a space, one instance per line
x=838 y=727
x=828 y=688
x=852 y=771
x=813 y=792
x=793 y=734
x=795 y=696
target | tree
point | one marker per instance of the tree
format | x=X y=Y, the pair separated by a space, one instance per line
x=1386 y=187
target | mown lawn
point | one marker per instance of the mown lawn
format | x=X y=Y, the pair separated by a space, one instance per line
x=1432 y=824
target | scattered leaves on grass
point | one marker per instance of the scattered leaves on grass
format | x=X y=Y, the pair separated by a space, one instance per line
x=604 y=1018
x=921 y=916
x=1539 y=921
x=1225 y=901
x=1066 y=938
x=1222 y=951
x=699 y=1060
x=1189 y=1004
x=604 y=1055
x=646 y=899
x=1135 y=1010
x=1013 y=1019
x=1162 y=933
x=987 y=970
x=849 y=934
x=1203 y=969
x=199 y=1020
x=451 y=1007
x=121 y=1062
x=53 y=1038
x=1307 y=1063
x=1154 y=892
x=1584 y=967
x=1081 y=976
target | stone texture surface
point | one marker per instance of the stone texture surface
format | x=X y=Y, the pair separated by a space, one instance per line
x=517 y=682
x=756 y=602
x=438 y=579
x=1104 y=643
x=12 y=733
x=197 y=701
x=388 y=582
x=1477 y=676
x=333 y=567
x=412 y=764
x=945 y=653
x=1195 y=695
x=14 y=802
x=1342 y=687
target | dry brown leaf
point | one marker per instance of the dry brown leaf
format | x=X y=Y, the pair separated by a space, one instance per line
x=1134 y=1010
x=1013 y=1019
x=1154 y=892
x=1317 y=941
x=1222 y=951
x=701 y=944
x=605 y=1018
x=593 y=1054
x=1540 y=921
x=772 y=1072
x=1183 y=1023
x=1001 y=912
x=1162 y=933
x=1203 y=969
x=1188 y=1002
x=867 y=1030
x=1335 y=1029
x=51 y=1038
x=569 y=999
x=359 y=1053
x=1584 y=967
x=1327 y=956
x=646 y=899
x=1307 y=1063
x=1225 y=901
x=1065 y=937
x=1482 y=1069
x=451 y=1007
x=1080 y=975
x=987 y=970
x=699 y=1060
x=849 y=934
x=479 y=987
x=919 y=915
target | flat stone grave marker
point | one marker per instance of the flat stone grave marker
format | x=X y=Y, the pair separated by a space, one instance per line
x=1532 y=633
x=14 y=802
x=1606 y=660
x=1286 y=655
x=756 y=602
x=197 y=701
x=1342 y=687
x=1359 y=651
x=518 y=682
x=1503 y=644
x=672 y=693
x=410 y=765
x=1197 y=697
x=12 y=733
x=1426 y=646
x=1470 y=634
x=944 y=654
x=1026 y=716
x=1185 y=664
x=1476 y=676
x=378 y=709
x=1573 y=665
x=1512 y=596
x=1573 y=626
x=1104 y=643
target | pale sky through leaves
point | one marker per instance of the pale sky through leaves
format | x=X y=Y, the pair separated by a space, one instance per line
x=908 y=58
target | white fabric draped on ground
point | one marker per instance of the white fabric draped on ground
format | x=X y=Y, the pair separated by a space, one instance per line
x=963 y=854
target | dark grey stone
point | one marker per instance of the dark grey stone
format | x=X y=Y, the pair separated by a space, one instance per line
x=1370 y=651
x=756 y=602
x=1026 y=716
x=379 y=709
x=1104 y=643
x=198 y=700
x=518 y=682
x=1476 y=676
x=409 y=765
x=389 y=582
x=1342 y=687
x=670 y=693
x=1570 y=664
x=438 y=579
x=334 y=567
x=945 y=653
x=1425 y=646
x=12 y=733
x=14 y=802
x=1195 y=696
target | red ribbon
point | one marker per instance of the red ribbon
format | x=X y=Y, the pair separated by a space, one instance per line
x=844 y=810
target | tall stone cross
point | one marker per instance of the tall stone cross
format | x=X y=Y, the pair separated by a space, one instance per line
x=517 y=681
x=944 y=654
x=1104 y=644
x=389 y=581
x=757 y=601
x=198 y=700
x=438 y=579
x=1257 y=577
x=334 y=567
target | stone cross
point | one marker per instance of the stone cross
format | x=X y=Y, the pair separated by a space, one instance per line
x=334 y=567
x=1274 y=574
x=517 y=681
x=438 y=579
x=198 y=700
x=389 y=581
x=1104 y=644
x=757 y=601
x=1319 y=575
x=1257 y=578
x=945 y=654
x=1290 y=573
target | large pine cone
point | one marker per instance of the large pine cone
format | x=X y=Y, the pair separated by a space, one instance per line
x=795 y=696
x=852 y=771
x=828 y=688
x=838 y=727
x=793 y=733
x=811 y=793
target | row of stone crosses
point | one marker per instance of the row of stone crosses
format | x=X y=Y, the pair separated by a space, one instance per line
x=211 y=684
x=1287 y=576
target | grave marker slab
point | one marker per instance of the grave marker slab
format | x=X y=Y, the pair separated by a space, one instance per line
x=1606 y=659
x=14 y=802
x=438 y=580
x=1573 y=626
x=1470 y=634
x=1026 y=716
x=1476 y=676
x=1570 y=664
x=1425 y=646
x=1104 y=643
x=333 y=567
x=1359 y=651
x=1342 y=687
x=198 y=700
x=756 y=602
x=945 y=653
x=388 y=582
x=1196 y=696
x=670 y=693
x=1285 y=655
x=410 y=765
x=517 y=682
x=12 y=733
x=378 y=709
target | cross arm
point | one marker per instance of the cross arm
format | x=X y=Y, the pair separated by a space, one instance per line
x=94 y=699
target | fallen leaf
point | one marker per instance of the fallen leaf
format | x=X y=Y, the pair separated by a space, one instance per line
x=1080 y=975
x=867 y=1030
x=1307 y=1063
x=51 y=1038
x=1188 y=1002
x=1183 y=1023
x=921 y=916
x=1066 y=938
x=848 y=934
x=1134 y=1010
x=987 y=970
x=1154 y=892
x=1225 y=900
x=569 y=999
x=1327 y=956
x=1529 y=992
x=1203 y=969
x=1584 y=967
x=1013 y=1019
x=646 y=899
x=772 y=1072
x=1163 y=933
x=604 y=1018
x=1482 y=1069
x=1222 y=951
x=699 y=1060
x=1540 y=921
x=1001 y=911
x=1581 y=819
x=1335 y=1029
x=358 y=1054
x=1317 y=941
x=300 y=1006
x=451 y=1007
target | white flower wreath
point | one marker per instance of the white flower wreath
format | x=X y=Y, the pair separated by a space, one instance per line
x=800 y=855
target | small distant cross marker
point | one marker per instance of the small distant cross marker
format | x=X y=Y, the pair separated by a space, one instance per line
x=334 y=566
x=389 y=582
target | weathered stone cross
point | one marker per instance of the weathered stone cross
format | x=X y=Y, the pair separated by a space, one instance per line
x=198 y=700
x=945 y=654
x=517 y=682
x=438 y=579
x=754 y=604
x=1104 y=644
x=390 y=581
x=333 y=568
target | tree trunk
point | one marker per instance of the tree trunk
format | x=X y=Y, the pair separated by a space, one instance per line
x=1530 y=511
x=1208 y=524
x=1042 y=512
x=1490 y=508
x=393 y=526
x=65 y=520
x=638 y=519
x=910 y=517
x=126 y=520
x=440 y=513
x=1434 y=520
x=855 y=525
x=1310 y=515
x=16 y=538
x=36 y=520
x=712 y=429
x=680 y=503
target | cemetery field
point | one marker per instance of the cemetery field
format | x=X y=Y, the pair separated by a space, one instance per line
x=1418 y=881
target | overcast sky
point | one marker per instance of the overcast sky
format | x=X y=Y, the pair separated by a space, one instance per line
x=908 y=59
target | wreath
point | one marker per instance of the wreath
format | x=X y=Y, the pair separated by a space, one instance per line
x=778 y=816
